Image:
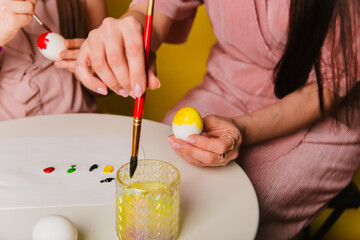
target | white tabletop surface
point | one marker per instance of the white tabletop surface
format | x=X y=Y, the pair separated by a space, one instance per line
x=216 y=203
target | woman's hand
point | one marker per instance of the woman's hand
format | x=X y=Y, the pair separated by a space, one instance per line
x=115 y=53
x=70 y=55
x=14 y=14
x=216 y=146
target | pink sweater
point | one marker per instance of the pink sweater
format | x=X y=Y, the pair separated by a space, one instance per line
x=29 y=83
x=251 y=36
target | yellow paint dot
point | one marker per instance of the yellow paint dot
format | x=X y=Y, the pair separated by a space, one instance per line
x=108 y=169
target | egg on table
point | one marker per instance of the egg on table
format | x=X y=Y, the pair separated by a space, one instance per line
x=54 y=227
x=187 y=121
x=50 y=45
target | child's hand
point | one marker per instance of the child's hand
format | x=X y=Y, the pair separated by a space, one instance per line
x=14 y=14
x=70 y=55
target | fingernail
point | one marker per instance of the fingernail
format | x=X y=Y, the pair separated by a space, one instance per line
x=176 y=146
x=123 y=93
x=102 y=91
x=158 y=83
x=138 y=90
x=190 y=140
x=131 y=94
x=170 y=140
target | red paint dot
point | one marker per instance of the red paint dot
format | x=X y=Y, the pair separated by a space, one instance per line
x=49 y=169
x=43 y=41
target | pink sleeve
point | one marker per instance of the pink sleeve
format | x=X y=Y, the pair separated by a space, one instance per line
x=182 y=11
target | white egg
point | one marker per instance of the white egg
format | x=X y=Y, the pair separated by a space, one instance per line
x=54 y=227
x=184 y=131
x=187 y=121
x=50 y=45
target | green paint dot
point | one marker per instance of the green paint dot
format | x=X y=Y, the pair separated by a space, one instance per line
x=72 y=169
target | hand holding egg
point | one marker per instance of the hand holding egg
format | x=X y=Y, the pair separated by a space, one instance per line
x=70 y=55
x=216 y=146
x=187 y=121
x=50 y=45
x=54 y=227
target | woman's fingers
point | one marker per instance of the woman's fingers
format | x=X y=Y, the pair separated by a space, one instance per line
x=153 y=82
x=134 y=50
x=217 y=145
x=201 y=156
x=85 y=74
x=115 y=52
x=116 y=58
x=99 y=61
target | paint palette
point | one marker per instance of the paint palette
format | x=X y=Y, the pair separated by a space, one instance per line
x=107 y=169
x=50 y=45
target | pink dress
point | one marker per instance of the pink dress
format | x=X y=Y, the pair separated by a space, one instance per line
x=295 y=175
x=30 y=85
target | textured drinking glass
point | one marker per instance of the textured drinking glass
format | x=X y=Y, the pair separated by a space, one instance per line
x=148 y=204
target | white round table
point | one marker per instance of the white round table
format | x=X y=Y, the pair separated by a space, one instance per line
x=216 y=203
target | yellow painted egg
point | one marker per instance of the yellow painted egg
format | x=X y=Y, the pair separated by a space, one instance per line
x=187 y=121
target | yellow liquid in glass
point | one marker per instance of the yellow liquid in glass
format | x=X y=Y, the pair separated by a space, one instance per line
x=147 y=210
x=148 y=186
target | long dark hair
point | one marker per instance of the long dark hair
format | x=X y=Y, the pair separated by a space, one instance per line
x=72 y=19
x=311 y=23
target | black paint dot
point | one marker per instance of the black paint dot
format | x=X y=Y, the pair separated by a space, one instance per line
x=95 y=166
x=107 y=180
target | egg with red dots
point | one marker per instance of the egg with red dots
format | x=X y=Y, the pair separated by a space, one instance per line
x=50 y=45
x=54 y=227
x=187 y=121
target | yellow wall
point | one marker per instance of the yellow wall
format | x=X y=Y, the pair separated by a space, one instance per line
x=180 y=67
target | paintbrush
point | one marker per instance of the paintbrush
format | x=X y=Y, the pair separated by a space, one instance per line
x=41 y=23
x=139 y=102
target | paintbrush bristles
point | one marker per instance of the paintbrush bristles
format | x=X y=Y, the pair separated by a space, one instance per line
x=133 y=165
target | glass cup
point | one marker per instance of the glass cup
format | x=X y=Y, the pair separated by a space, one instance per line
x=148 y=204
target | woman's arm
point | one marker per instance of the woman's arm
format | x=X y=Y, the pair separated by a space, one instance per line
x=296 y=111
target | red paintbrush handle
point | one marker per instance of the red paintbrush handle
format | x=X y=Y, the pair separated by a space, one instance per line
x=139 y=106
x=139 y=102
x=147 y=37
